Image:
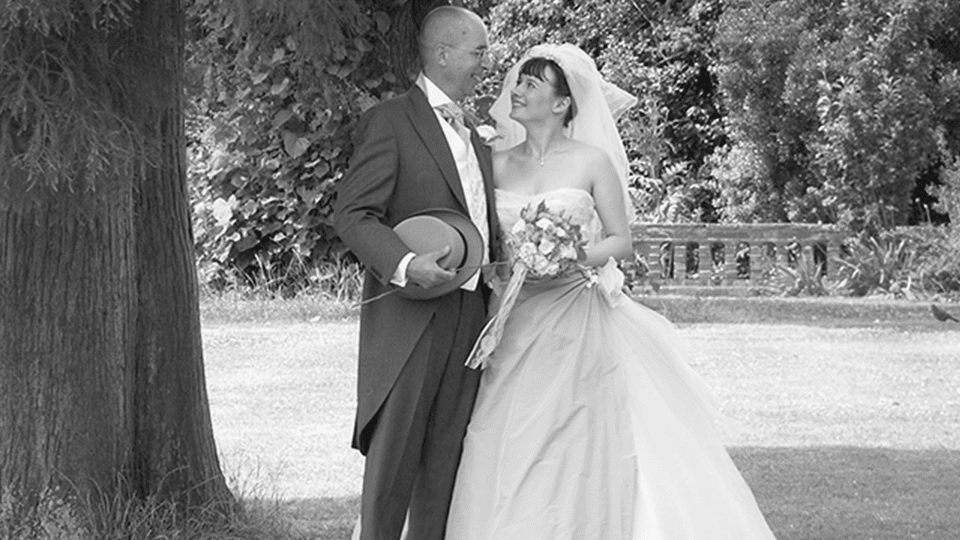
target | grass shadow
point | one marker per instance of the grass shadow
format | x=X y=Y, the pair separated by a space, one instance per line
x=813 y=493
x=855 y=493
x=327 y=518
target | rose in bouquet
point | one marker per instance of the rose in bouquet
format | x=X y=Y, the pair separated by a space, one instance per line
x=545 y=243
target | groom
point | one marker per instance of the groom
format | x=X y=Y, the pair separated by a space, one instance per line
x=414 y=394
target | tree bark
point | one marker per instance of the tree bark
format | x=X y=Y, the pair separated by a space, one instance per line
x=174 y=450
x=101 y=366
x=65 y=343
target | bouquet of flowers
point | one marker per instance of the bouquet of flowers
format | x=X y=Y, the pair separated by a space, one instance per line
x=545 y=243
x=542 y=244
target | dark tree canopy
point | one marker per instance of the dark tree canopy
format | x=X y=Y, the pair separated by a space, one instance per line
x=63 y=122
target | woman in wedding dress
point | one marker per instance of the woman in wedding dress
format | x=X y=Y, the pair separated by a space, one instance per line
x=589 y=425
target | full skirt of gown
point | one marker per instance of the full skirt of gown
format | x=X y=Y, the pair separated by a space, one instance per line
x=590 y=425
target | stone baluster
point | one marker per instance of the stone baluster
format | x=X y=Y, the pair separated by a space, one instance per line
x=756 y=261
x=729 y=262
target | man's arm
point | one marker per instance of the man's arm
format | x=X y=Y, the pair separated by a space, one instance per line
x=362 y=200
x=364 y=194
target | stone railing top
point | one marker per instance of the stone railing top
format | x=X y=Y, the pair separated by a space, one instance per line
x=711 y=232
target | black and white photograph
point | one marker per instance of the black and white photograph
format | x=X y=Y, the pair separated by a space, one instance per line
x=479 y=270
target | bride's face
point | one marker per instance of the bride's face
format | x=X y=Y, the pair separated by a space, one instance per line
x=536 y=99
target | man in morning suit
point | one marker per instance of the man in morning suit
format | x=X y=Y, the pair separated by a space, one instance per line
x=415 y=395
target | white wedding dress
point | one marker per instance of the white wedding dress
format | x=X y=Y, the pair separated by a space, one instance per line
x=589 y=424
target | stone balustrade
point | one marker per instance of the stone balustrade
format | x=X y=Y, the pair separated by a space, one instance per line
x=707 y=254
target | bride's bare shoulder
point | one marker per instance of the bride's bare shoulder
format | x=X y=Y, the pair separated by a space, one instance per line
x=586 y=152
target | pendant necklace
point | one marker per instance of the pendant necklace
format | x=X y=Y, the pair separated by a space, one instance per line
x=543 y=158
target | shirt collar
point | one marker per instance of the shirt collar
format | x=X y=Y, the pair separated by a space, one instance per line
x=435 y=96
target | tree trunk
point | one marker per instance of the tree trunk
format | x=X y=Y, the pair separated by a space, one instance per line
x=101 y=365
x=174 y=451
x=65 y=344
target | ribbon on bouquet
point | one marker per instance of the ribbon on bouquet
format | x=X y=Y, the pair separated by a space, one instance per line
x=493 y=330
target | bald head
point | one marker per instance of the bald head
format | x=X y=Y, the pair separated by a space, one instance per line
x=447 y=25
x=453 y=47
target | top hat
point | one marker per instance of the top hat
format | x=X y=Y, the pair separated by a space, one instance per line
x=436 y=228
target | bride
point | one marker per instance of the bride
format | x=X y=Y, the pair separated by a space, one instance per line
x=588 y=424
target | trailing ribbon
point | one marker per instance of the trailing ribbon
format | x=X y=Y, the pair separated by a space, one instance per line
x=493 y=330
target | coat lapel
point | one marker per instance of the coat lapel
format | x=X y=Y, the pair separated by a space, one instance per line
x=428 y=127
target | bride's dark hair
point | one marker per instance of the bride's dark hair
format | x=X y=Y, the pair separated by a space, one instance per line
x=537 y=67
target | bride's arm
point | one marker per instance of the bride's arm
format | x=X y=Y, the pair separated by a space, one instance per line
x=608 y=198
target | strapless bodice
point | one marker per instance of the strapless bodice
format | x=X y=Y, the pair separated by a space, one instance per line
x=575 y=203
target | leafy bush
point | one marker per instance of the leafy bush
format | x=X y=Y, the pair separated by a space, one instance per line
x=937 y=265
x=912 y=262
x=275 y=91
x=805 y=278
x=948 y=191
x=877 y=265
x=835 y=109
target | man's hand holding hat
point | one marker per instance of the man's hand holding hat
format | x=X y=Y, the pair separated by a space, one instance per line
x=425 y=272
x=448 y=251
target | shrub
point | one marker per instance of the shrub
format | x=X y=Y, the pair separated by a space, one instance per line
x=909 y=262
x=937 y=265
x=273 y=92
x=834 y=109
x=805 y=278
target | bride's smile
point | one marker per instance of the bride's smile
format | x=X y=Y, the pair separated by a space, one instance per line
x=540 y=95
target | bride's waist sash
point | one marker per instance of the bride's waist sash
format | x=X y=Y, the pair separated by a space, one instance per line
x=537 y=286
x=519 y=289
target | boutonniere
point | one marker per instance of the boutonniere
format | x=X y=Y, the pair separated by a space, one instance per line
x=487 y=134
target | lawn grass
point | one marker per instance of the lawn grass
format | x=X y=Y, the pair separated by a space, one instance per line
x=826 y=311
x=846 y=426
x=839 y=311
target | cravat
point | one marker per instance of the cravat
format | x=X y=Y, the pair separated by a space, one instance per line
x=473 y=188
x=454 y=116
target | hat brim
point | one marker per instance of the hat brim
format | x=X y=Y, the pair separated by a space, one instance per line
x=472 y=259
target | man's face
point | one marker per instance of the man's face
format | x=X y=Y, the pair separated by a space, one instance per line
x=466 y=61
